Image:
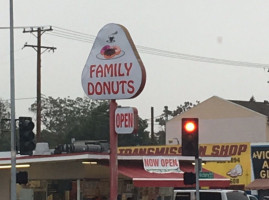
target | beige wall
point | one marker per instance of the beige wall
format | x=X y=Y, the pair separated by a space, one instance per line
x=5 y=184
x=67 y=170
x=221 y=121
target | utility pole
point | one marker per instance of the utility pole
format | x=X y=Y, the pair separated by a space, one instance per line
x=166 y=112
x=38 y=47
x=152 y=126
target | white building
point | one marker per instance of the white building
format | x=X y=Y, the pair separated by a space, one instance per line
x=224 y=121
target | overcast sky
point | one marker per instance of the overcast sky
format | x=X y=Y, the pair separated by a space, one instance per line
x=227 y=30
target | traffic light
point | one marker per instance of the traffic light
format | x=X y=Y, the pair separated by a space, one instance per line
x=26 y=135
x=189 y=178
x=22 y=177
x=190 y=130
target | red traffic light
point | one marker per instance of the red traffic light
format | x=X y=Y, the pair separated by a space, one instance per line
x=190 y=137
x=190 y=126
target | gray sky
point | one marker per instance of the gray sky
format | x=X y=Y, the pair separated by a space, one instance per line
x=222 y=29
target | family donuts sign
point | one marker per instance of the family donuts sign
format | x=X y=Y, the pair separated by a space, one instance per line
x=113 y=69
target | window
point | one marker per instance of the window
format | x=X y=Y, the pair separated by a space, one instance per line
x=210 y=196
x=183 y=196
x=236 y=196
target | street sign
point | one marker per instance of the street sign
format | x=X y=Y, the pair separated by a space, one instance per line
x=126 y=120
x=206 y=175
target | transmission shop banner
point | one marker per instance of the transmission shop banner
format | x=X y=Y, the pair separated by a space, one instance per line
x=238 y=169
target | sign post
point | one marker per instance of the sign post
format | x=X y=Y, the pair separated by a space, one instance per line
x=113 y=151
x=113 y=70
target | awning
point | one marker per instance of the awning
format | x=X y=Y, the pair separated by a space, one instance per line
x=142 y=178
x=258 y=184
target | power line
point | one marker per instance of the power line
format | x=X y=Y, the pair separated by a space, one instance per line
x=83 y=37
x=7 y=28
x=19 y=27
x=71 y=37
x=75 y=32
x=25 y=98
x=19 y=99
x=88 y=38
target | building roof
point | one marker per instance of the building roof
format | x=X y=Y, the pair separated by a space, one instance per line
x=260 y=107
x=258 y=184
x=92 y=156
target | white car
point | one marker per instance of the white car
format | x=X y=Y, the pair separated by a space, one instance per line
x=210 y=195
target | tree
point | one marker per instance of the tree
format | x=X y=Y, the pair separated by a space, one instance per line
x=82 y=119
x=165 y=116
x=180 y=109
x=140 y=138
x=65 y=118
x=4 y=125
x=94 y=125
x=252 y=99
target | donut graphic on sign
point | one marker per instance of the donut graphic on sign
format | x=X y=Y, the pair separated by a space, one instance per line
x=110 y=51
x=114 y=69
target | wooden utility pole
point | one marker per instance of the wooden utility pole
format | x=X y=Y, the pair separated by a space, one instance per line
x=152 y=126
x=38 y=47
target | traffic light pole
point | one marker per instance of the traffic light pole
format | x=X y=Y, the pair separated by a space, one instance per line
x=190 y=145
x=197 y=171
x=12 y=97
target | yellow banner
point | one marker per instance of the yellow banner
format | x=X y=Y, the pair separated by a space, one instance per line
x=238 y=169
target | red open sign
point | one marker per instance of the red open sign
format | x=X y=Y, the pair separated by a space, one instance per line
x=126 y=120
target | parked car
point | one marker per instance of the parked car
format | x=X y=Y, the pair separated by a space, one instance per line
x=265 y=198
x=252 y=197
x=210 y=195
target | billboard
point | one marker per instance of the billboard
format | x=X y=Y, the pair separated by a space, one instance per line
x=260 y=161
x=238 y=169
